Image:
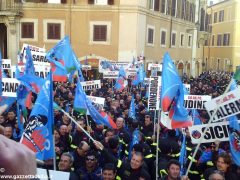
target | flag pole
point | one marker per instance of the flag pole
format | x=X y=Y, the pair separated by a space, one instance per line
x=158 y=134
x=52 y=116
x=205 y=130
x=73 y=120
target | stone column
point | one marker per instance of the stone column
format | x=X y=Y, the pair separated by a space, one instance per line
x=13 y=40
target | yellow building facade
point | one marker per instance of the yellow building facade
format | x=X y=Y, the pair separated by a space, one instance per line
x=114 y=29
x=223 y=49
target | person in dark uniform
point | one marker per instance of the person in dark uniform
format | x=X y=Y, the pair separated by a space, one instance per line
x=126 y=170
x=223 y=164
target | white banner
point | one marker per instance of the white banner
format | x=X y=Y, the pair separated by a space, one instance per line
x=6 y=63
x=157 y=67
x=89 y=85
x=228 y=105
x=154 y=93
x=195 y=101
x=110 y=74
x=111 y=66
x=97 y=100
x=40 y=71
x=38 y=58
x=86 y=67
x=131 y=72
x=33 y=48
x=9 y=87
x=216 y=131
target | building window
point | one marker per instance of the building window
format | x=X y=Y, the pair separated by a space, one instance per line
x=219 y=40
x=101 y=2
x=54 y=31
x=183 y=15
x=163 y=6
x=215 y=17
x=221 y=16
x=151 y=4
x=163 y=37
x=156 y=5
x=182 y=40
x=100 y=33
x=226 y=39
x=174 y=4
x=213 y=40
x=189 y=40
x=150 y=35
x=27 y=30
x=173 y=43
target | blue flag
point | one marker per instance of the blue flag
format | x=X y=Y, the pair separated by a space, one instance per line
x=97 y=114
x=172 y=95
x=135 y=140
x=29 y=66
x=6 y=103
x=120 y=85
x=139 y=77
x=182 y=157
x=62 y=59
x=79 y=104
x=196 y=117
x=38 y=132
x=234 y=134
x=132 y=111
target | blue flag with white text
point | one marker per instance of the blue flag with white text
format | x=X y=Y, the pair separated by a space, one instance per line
x=37 y=135
x=234 y=134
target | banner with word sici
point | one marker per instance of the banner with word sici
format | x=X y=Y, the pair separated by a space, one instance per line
x=195 y=101
x=154 y=93
x=227 y=105
x=216 y=131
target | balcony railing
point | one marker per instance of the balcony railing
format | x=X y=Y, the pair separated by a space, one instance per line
x=11 y=5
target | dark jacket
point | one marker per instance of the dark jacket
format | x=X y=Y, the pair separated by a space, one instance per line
x=229 y=175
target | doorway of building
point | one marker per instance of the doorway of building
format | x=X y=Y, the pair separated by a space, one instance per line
x=3 y=40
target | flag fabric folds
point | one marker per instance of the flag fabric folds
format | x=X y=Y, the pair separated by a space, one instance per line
x=182 y=157
x=79 y=103
x=121 y=80
x=135 y=140
x=196 y=117
x=62 y=59
x=29 y=79
x=29 y=66
x=6 y=103
x=139 y=77
x=97 y=114
x=172 y=95
x=234 y=133
x=132 y=111
x=38 y=132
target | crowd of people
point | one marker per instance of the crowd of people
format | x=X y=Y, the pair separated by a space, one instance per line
x=110 y=155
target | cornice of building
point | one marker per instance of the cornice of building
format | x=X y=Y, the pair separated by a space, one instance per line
x=117 y=9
